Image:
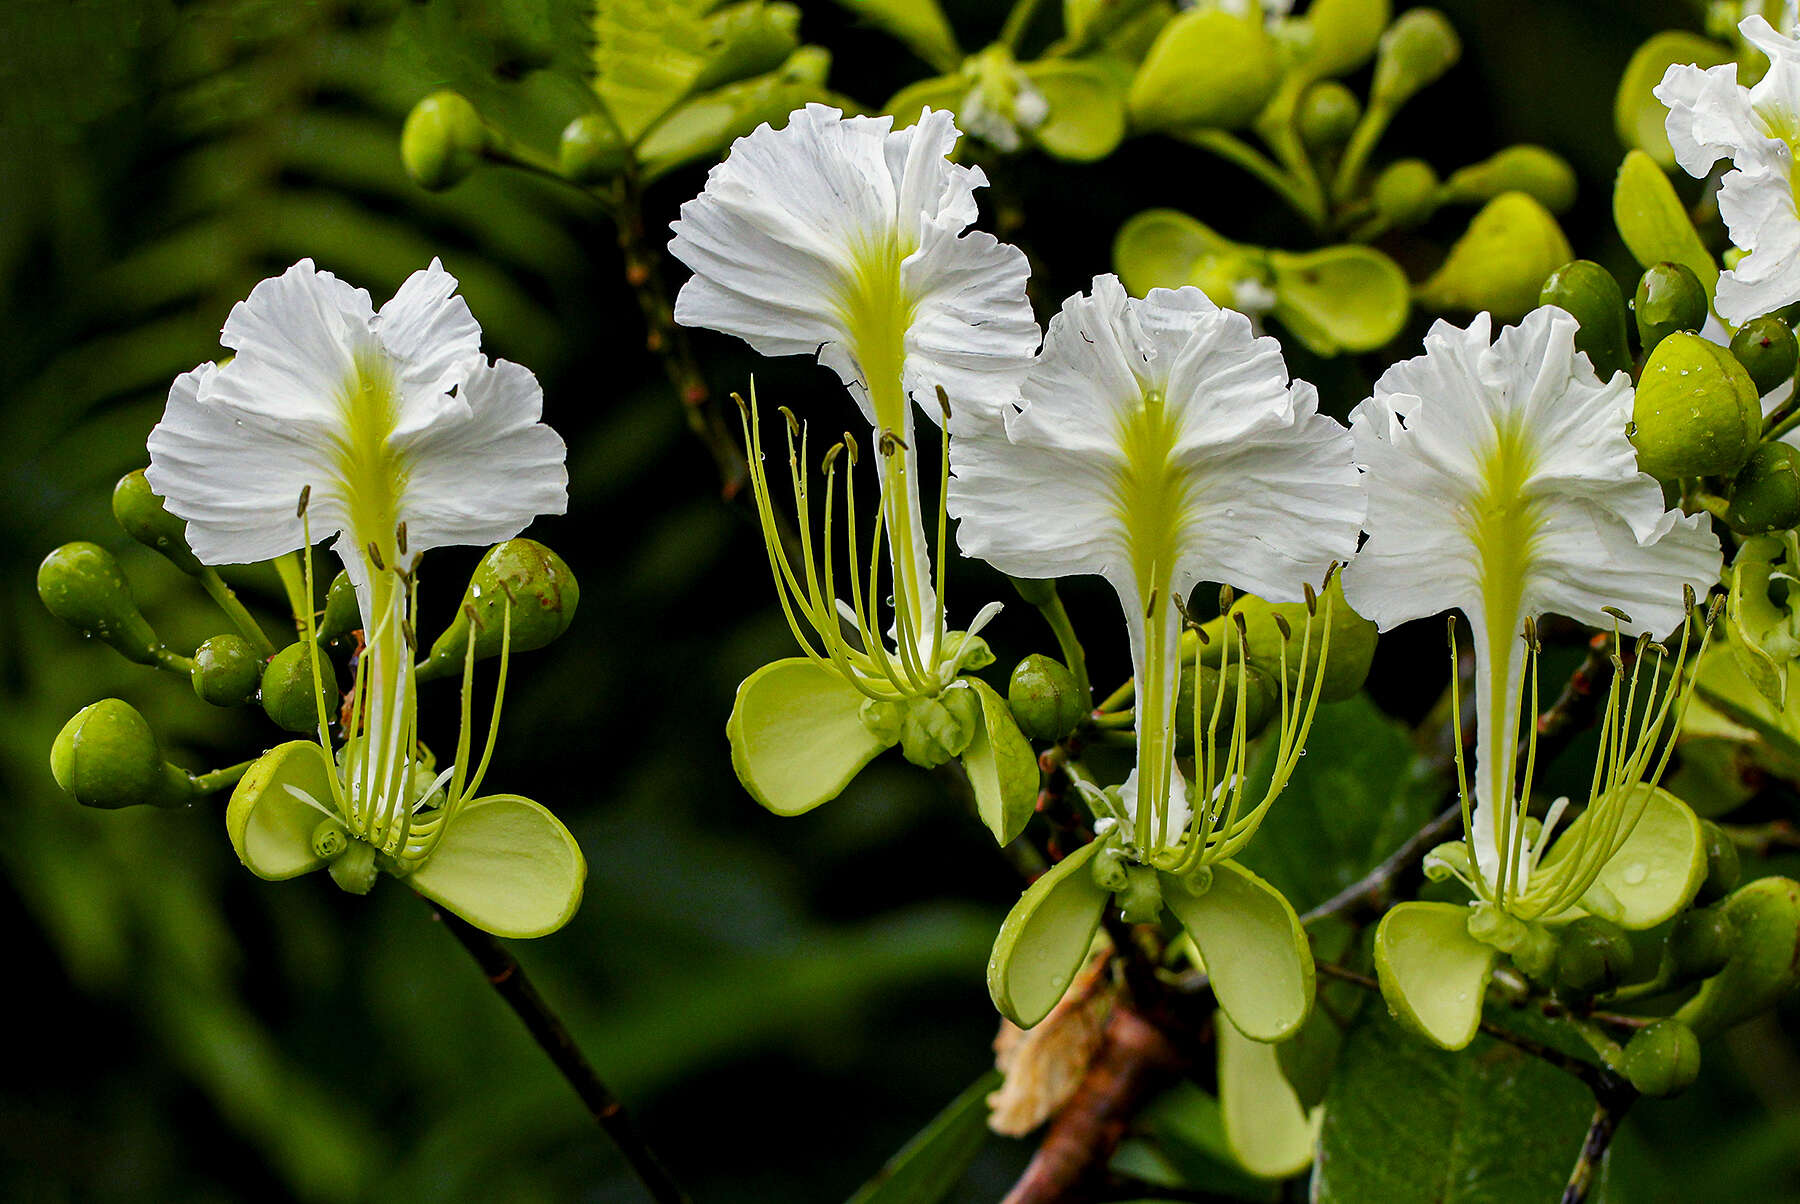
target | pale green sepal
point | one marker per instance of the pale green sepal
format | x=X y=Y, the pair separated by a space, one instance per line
x=1655 y=873
x=506 y=865
x=1269 y=1132
x=1162 y=248
x=1337 y=299
x=1641 y=119
x=1433 y=973
x=1086 y=117
x=1045 y=938
x=1501 y=261
x=797 y=735
x=1256 y=953
x=1002 y=768
x=270 y=829
x=1653 y=223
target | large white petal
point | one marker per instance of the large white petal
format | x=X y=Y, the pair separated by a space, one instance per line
x=1709 y=116
x=432 y=339
x=298 y=337
x=973 y=332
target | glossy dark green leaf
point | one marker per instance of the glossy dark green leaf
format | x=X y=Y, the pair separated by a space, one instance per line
x=928 y=1166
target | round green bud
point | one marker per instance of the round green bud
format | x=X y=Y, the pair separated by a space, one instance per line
x=1111 y=869
x=1262 y=696
x=291 y=697
x=1528 y=169
x=1415 y=52
x=227 y=672
x=1406 y=192
x=1765 y=494
x=330 y=839
x=342 y=615
x=1700 y=943
x=107 y=756
x=1669 y=298
x=1141 y=901
x=1328 y=116
x=937 y=729
x=1207 y=69
x=1722 y=867
x=142 y=515
x=521 y=574
x=1589 y=293
x=442 y=140
x=1663 y=1059
x=1044 y=698
x=82 y=584
x=1591 y=955
x=1767 y=349
x=591 y=149
x=1696 y=412
x=1764 y=964
x=1347 y=662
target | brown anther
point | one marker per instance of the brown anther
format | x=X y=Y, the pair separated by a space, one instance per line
x=406 y=633
x=1616 y=613
x=400 y=537
x=850 y=447
x=375 y=557
x=474 y=619
x=1312 y=598
x=795 y=427
x=1150 y=606
x=944 y=402
x=1281 y=625
x=891 y=443
x=1226 y=598
x=305 y=497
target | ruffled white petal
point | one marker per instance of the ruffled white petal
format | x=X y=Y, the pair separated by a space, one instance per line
x=432 y=337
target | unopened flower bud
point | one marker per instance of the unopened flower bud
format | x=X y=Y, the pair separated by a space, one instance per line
x=442 y=140
x=1662 y=1059
x=342 y=615
x=1141 y=901
x=1262 y=695
x=524 y=574
x=1500 y=262
x=1700 y=943
x=1589 y=293
x=1591 y=955
x=1669 y=299
x=82 y=584
x=1768 y=351
x=1338 y=36
x=107 y=756
x=1110 y=869
x=937 y=729
x=1406 y=192
x=1207 y=69
x=1347 y=662
x=1765 y=957
x=1328 y=116
x=330 y=839
x=354 y=869
x=291 y=697
x=1722 y=866
x=1696 y=412
x=1415 y=52
x=591 y=149
x=141 y=514
x=1044 y=698
x=1765 y=494
x=227 y=671
x=1527 y=169
x=883 y=718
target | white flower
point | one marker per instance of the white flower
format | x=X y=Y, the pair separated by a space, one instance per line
x=1711 y=117
x=1159 y=443
x=1502 y=485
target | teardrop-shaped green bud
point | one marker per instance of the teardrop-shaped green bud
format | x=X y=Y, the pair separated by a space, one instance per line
x=82 y=584
x=591 y=149
x=1141 y=902
x=1340 y=35
x=1700 y=943
x=1262 y=695
x=543 y=595
x=937 y=729
x=1501 y=261
x=291 y=696
x=1723 y=867
x=1591 y=955
x=1415 y=52
x=1669 y=298
x=342 y=615
x=227 y=671
x=442 y=140
x=1044 y=698
x=107 y=756
x=1406 y=192
x=1588 y=291
x=1662 y=1059
x=747 y=39
x=1528 y=169
x=354 y=869
x=1765 y=958
x=1328 y=116
x=1696 y=412
x=1207 y=69
x=1348 y=659
x=143 y=516
x=1767 y=349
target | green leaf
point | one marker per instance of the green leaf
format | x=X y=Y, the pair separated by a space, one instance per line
x=1336 y=299
x=1045 y=938
x=1002 y=768
x=1655 y=873
x=1256 y=953
x=928 y=1166
x=797 y=735
x=1653 y=223
x=1640 y=117
x=1086 y=119
x=1271 y=1135
x=505 y=864
x=918 y=23
x=705 y=125
x=1408 y=1124
x=1433 y=974
x=1179 y=1142
x=647 y=54
x=270 y=829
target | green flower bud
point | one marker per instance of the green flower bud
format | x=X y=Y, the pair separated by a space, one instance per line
x=1347 y=662
x=107 y=756
x=82 y=584
x=227 y=672
x=1591 y=955
x=1588 y=291
x=1207 y=69
x=1111 y=871
x=442 y=140
x=290 y=696
x=1696 y=412
x=143 y=517
x=1669 y=298
x=1340 y=35
x=543 y=594
x=1700 y=943
x=1141 y=900
x=1043 y=696
x=354 y=869
x=1501 y=261
x=1532 y=947
x=1414 y=53
x=1262 y=695
x=330 y=839
x=591 y=149
x=1765 y=957
x=937 y=729
x=1328 y=116
x=883 y=718
x=1765 y=494
x=342 y=615
x=1767 y=349
x=1722 y=867
x=1527 y=169
x=1663 y=1059
x=1406 y=192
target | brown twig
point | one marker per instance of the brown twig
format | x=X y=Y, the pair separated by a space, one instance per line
x=1609 y=1109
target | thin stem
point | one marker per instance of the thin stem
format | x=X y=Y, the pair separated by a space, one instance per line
x=1235 y=150
x=508 y=979
x=1057 y=616
x=241 y=618
x=174 y=662
x=1368 y=132
x=1608 y=1111
x=1017 y=21
x=293 y=583
x=220 y=779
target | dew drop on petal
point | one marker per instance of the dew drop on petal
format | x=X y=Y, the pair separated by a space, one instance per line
x=1634 y=874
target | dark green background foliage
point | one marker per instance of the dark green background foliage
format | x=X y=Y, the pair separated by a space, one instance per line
x=784 y=1002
